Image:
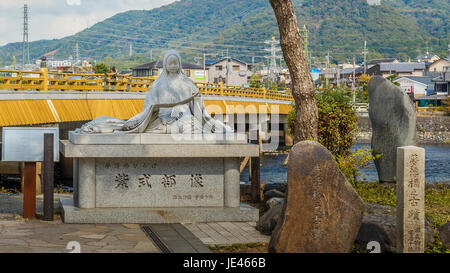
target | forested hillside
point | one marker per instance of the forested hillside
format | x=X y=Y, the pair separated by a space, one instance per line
x=397 y=28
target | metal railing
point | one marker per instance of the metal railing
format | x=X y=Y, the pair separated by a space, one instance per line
x=46 y=81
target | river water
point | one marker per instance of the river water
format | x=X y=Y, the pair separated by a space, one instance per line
x=437 y=166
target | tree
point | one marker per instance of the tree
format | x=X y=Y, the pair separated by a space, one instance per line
x=255 y=81
x=337 y=120
x=303 y=89
x=101 y=68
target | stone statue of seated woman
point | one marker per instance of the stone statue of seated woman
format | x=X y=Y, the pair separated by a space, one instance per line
x=172 y=105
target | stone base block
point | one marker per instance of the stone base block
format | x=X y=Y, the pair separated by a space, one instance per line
x=75 y=215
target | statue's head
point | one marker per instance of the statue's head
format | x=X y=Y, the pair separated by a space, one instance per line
x=172 y=62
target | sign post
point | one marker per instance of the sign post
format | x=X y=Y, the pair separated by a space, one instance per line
x=23 y=144
x=48 y=177
x=29 y=191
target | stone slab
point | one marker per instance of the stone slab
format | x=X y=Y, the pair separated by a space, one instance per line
x=322 y=212
x=117 y=139
x=162 y=182
x=393 y=117
x=71 y=214
x=158 y=150
x=410 y=199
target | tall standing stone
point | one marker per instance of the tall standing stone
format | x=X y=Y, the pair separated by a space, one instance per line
x=410 y=199
x=393 y=118
x=322 y=211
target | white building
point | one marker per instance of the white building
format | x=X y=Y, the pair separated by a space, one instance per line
x=56 y=63
x=374 y=2
x=419 y=86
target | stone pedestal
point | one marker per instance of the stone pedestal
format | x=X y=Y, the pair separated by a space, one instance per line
x=178 y=181
x=411 y=199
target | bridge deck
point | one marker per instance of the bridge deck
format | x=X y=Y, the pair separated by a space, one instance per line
x=38 y=107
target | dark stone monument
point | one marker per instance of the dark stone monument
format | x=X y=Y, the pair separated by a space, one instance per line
x=393 y=118
x=322 y=211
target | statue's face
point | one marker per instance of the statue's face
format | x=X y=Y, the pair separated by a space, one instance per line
x=172 y=64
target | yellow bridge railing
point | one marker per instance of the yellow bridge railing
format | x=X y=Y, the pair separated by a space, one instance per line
x=46 y=81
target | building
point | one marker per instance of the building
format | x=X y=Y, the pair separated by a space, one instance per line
x=153 y=69
x=378 y=61
x=441 y=65
x=230 y=71
x=55 y=64
x=442 y=84
x=374 y=2
x=427 y=58
x=441 y=91
x=399 y=69
x=419 y=86
x=346 y=75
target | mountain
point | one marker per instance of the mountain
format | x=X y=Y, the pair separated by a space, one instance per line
x=397 y=28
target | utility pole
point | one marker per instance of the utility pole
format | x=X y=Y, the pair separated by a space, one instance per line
x=204 y=65
x=25 y=44
x=77 y=53
x=131 y=50
x=304 y=34
x=353 y=80
x=326 y=70
x=365 y=52
x=14 y=62
x=151 y=55
x=448 y=51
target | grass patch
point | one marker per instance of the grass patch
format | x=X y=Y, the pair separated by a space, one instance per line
x=376 y=193
x=240 y=248
x=437 y=200
x=437 y=206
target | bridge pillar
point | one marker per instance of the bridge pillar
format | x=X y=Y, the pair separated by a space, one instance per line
x=44 y=77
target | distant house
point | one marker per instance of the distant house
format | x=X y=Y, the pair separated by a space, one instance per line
x=441 y=91
x=430 y=58
x=374 y=2
x=442 y=84
x=419 y=86
x=441 y=65
x=400 y=69
x=378 y=61
x=229 y=71
x=346 y=74
x=153 y=69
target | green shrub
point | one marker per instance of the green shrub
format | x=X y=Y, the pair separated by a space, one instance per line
x=337 y=120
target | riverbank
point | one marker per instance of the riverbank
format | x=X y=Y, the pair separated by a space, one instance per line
x=430 y=130
x=437 y=160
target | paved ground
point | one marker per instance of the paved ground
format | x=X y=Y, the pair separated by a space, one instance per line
x=227 y=233
x=31 y=236
x=53 y=237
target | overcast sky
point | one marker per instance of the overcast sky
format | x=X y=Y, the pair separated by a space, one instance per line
x=52 y=19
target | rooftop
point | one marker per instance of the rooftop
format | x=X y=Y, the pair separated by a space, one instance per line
x=385 y=60
x=401 y=67
x=424 y=80
x=211 y=62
